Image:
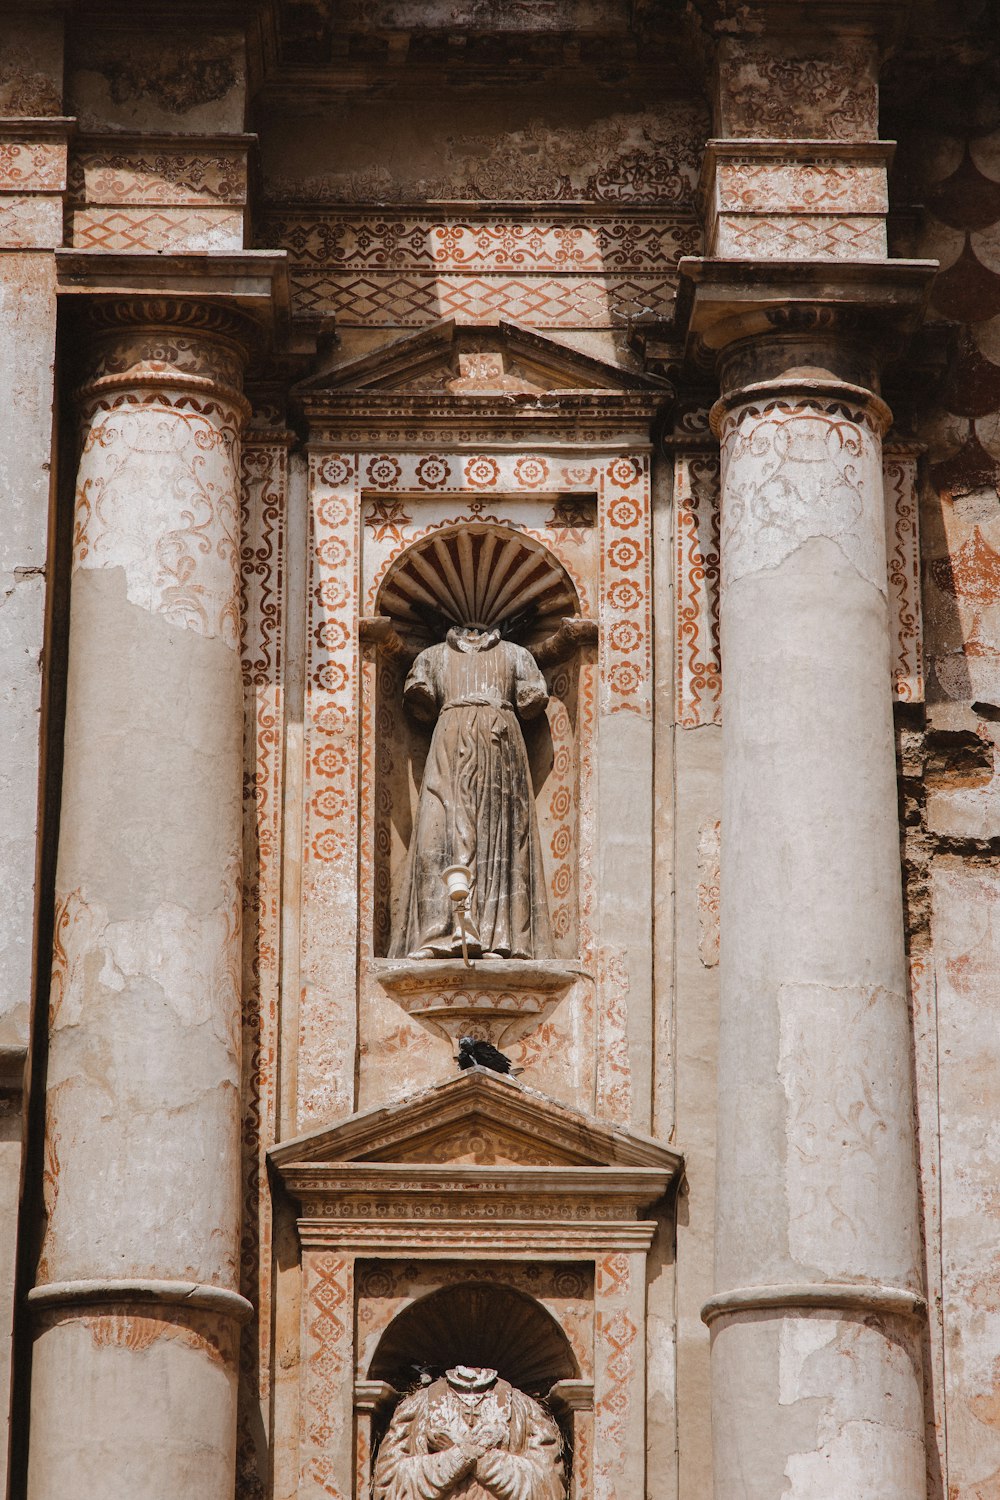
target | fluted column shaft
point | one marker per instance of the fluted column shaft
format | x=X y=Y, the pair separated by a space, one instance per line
x=136 y=1303
x=816 y=1369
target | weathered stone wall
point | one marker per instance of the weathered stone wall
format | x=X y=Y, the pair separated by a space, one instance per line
x=565 y=212
x=547 y=166
x=947 y=185
x=32 y=176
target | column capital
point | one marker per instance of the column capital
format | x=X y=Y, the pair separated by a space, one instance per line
x=802 y=387
x=182 y=314
x=142 y=346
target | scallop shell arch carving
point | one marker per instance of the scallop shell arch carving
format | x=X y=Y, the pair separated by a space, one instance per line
x=476 y=1324
x=476 y=574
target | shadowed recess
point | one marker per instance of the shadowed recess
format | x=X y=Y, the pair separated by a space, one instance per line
x=480 y=1325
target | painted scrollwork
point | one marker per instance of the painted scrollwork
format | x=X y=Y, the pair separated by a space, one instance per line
x=798 y=469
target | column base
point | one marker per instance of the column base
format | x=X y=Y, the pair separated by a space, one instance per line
x=142 y=1290
x=133 y=1402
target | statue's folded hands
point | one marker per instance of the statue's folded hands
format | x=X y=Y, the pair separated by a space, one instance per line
x=470 y=1436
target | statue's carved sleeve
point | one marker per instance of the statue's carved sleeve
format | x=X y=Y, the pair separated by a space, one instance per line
x=420 y=690
x=534 y=1472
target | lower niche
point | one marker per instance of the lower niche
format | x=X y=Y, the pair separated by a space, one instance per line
x=420 y=1256
x=538 y=1341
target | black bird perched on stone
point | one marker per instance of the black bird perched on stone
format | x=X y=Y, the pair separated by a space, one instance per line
x=472 y=1050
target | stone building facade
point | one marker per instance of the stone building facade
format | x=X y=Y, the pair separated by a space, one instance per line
x=663 y=337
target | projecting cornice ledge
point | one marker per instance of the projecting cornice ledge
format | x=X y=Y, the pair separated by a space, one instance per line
x=882 y=18
x=722 y=300
x=256 y=281
x=141 y=1290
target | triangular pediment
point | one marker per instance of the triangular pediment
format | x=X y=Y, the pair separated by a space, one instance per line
x=477 y=1119
x=505 y=359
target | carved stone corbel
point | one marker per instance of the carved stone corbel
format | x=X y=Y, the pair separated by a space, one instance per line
x=379 y=630
x=573 y=635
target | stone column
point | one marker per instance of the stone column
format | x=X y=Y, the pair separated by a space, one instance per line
x=33 y=160
x=815 y=1350
x=136 y=1303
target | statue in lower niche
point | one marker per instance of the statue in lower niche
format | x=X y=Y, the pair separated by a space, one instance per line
x=476 y=808
x=472 y=1436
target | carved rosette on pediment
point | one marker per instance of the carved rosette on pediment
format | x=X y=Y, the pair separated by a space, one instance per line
x=492 y=479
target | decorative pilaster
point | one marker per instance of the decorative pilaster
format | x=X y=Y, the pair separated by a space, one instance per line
x=619 y=1456
x=137 y=1299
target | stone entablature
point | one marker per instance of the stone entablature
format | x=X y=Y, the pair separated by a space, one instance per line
x=796 y=200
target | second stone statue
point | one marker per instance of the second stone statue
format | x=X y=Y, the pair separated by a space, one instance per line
x=476 y=807
x=470 y=1436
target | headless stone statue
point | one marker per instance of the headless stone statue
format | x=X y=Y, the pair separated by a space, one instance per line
x=476 y=806
x=469 y=1436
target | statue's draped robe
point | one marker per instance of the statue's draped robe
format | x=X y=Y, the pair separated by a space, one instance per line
x=476 y=806
x=524 y=1464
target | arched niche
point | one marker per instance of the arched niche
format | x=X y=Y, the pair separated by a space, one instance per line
x=499 y=577
x=480 y=1324
x=483 y=1325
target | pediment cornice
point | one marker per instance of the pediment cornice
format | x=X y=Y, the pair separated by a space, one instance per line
x=500 y=373
x=525 y=1128
x=475 y=1164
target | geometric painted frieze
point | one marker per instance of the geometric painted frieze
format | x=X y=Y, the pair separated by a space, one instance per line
x=557 y=271
x=131 y=193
